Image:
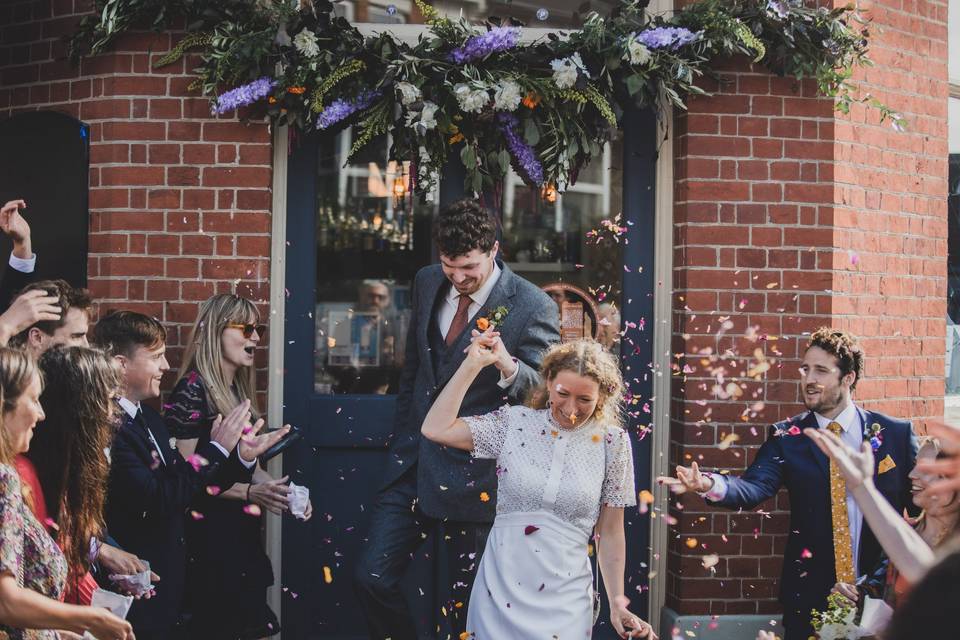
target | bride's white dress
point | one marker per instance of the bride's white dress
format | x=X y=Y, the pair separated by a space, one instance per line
x=535 y=580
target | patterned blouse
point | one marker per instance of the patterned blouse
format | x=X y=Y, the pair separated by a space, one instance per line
x=27 y=551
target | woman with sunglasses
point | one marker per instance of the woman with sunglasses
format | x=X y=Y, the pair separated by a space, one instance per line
x=228 y=571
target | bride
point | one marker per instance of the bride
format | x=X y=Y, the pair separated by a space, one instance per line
x=565 y=470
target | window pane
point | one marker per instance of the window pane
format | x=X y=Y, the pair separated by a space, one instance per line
x=371 y=239
x=564 y=14
x=569 y=244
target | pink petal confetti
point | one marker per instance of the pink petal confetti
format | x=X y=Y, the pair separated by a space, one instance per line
x=794 y=430
x=192 y=378
x=251 y=510
x=51 y=524
x=213 y=490
x=530 y=529
x=854 y=258
x=196 y=515
x=806 y=553
x=197 y=461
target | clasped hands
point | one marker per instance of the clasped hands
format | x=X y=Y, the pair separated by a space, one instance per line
x=487 y=348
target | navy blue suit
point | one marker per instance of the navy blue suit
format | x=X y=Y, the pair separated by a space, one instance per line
x=795 y=462
x=146 y=510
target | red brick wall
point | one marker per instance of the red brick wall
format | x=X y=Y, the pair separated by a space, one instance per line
x=788 y=217
x=179 y=201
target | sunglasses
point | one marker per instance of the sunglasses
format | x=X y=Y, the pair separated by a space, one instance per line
x=248 y=328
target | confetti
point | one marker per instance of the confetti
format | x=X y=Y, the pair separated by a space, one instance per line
x=196 y=515
x=251 y=509
x=806 y=553
x=691 y=543
x=710 y=561
x=728 y=440
x=327 y=575
x=530 y=529
x=484 y=496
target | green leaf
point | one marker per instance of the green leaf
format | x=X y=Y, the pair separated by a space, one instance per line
x=530 y=132
x=469 y=158
x=634 y=84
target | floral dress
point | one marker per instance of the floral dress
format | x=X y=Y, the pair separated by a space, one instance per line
x=27 y=551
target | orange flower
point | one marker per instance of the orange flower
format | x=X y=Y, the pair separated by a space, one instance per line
x=296 y=90
x=454 y=139
x=483 y=324
x=531 y=100
x=272 y=100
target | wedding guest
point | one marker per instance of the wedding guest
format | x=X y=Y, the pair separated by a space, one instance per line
x=228 y=571
x=151 y=486
x=823 y=512
x=69 y=455
x=930 y=609
x=569 y=472
x=430 y=488
x=23 y=261
x=33 y=569
x=71 y=329
x=938 y=522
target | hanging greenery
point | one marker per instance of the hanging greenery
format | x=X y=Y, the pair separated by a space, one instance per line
x=545 y=107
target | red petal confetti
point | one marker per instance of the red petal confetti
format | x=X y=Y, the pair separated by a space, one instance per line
x=530 y=529
x=806 y=553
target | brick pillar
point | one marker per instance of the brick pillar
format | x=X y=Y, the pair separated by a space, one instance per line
x=179 y=200
x=790 y=216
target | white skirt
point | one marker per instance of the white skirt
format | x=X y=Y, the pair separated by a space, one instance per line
x=537 y=586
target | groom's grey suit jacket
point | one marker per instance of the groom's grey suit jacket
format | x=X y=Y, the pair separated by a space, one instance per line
x=449 y=481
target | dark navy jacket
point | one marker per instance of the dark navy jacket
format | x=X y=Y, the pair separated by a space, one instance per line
x=795 y=462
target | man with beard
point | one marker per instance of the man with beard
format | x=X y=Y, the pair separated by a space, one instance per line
x=829 y=542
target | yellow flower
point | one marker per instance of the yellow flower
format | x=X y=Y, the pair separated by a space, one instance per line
x=484 y=496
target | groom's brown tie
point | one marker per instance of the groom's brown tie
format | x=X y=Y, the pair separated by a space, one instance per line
x=842 y=549
x=459 y=320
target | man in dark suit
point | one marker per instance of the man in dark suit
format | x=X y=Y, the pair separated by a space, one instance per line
x=829 y=542
x=428 y=485
x=151 y=485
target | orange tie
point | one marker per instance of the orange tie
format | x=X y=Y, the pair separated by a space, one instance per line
x=842 y=549
x=459 y=320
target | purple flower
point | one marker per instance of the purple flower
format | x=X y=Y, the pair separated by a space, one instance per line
x=779 y=8
x=243 y=95
x=494 y=40
x=524 y=158
x=341 y=109
x=662 y=37
x=875 y=442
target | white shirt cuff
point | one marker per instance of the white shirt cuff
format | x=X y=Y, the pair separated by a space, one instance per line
x=23 y=265
x=719 y=489
x=506 y=381
x=221 y=449
x=248 y=465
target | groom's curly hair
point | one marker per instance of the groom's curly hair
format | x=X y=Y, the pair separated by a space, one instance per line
x=463 y=226
x=844 y=347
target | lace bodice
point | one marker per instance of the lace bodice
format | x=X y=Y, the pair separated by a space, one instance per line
x=593 y=463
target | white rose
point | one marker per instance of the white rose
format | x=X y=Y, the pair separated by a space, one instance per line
x=637 y=54
x=428 y=116
x=507 y=96
x=470 y=100
x=408 y=93
x=564 y=73
x=306 y=43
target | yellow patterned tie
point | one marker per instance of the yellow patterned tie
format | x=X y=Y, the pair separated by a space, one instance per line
x=842 y=549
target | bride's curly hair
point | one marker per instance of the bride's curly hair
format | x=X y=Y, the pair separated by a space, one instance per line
x=588 y=358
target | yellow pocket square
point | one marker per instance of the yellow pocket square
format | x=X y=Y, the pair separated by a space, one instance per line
x=886 y=464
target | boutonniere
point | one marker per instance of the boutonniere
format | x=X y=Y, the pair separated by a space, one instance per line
x=495 y=320
x=872 y=433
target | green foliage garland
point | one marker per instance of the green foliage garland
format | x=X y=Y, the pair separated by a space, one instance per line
x=545 y=107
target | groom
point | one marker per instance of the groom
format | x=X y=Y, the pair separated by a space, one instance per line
x=430 y=488
x=829 y=541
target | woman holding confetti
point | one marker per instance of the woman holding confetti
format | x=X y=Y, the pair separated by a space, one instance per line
x=565 y=470
x=228 y=571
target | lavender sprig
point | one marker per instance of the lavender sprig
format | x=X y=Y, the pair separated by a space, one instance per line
x=524 y=158
x=341 y=109
x=662 y=37
x=243 y=95
x=494 y=40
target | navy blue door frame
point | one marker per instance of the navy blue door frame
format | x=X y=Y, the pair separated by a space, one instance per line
x=342 y=456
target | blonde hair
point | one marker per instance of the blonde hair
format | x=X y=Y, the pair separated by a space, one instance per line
x=205 y=352
x=585 y=357
x=16 y=373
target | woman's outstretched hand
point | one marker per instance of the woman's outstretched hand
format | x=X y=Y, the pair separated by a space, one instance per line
x=855 y=466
